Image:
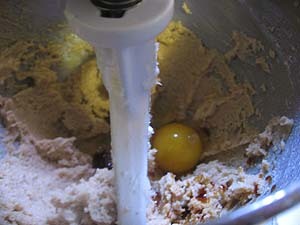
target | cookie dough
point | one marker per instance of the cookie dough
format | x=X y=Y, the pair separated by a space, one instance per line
x=56 y=122
x=199 y=89
x=186 y=8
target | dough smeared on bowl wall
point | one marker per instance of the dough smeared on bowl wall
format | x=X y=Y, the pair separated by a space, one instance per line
x=199 y=88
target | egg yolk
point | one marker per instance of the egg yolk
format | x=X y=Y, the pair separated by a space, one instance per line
x=179 y=148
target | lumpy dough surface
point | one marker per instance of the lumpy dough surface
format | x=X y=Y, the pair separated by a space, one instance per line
x=55 y=111
x=199 y=89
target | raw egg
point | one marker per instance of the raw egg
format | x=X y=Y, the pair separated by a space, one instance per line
x=179 y=148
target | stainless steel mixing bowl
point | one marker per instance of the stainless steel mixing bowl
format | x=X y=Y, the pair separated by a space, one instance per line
x=276 y=23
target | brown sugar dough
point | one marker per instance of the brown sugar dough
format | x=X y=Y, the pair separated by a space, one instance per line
x=186 y=9
x=49 y=120
x=199 y=88
x=77 y=107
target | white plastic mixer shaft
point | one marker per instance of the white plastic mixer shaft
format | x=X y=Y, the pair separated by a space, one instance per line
x=126 y=55
x=128 y=75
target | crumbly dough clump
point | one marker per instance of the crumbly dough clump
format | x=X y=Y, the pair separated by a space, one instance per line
x=70 y=191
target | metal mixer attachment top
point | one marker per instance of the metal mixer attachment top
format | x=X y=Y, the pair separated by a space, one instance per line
x=114 y=8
